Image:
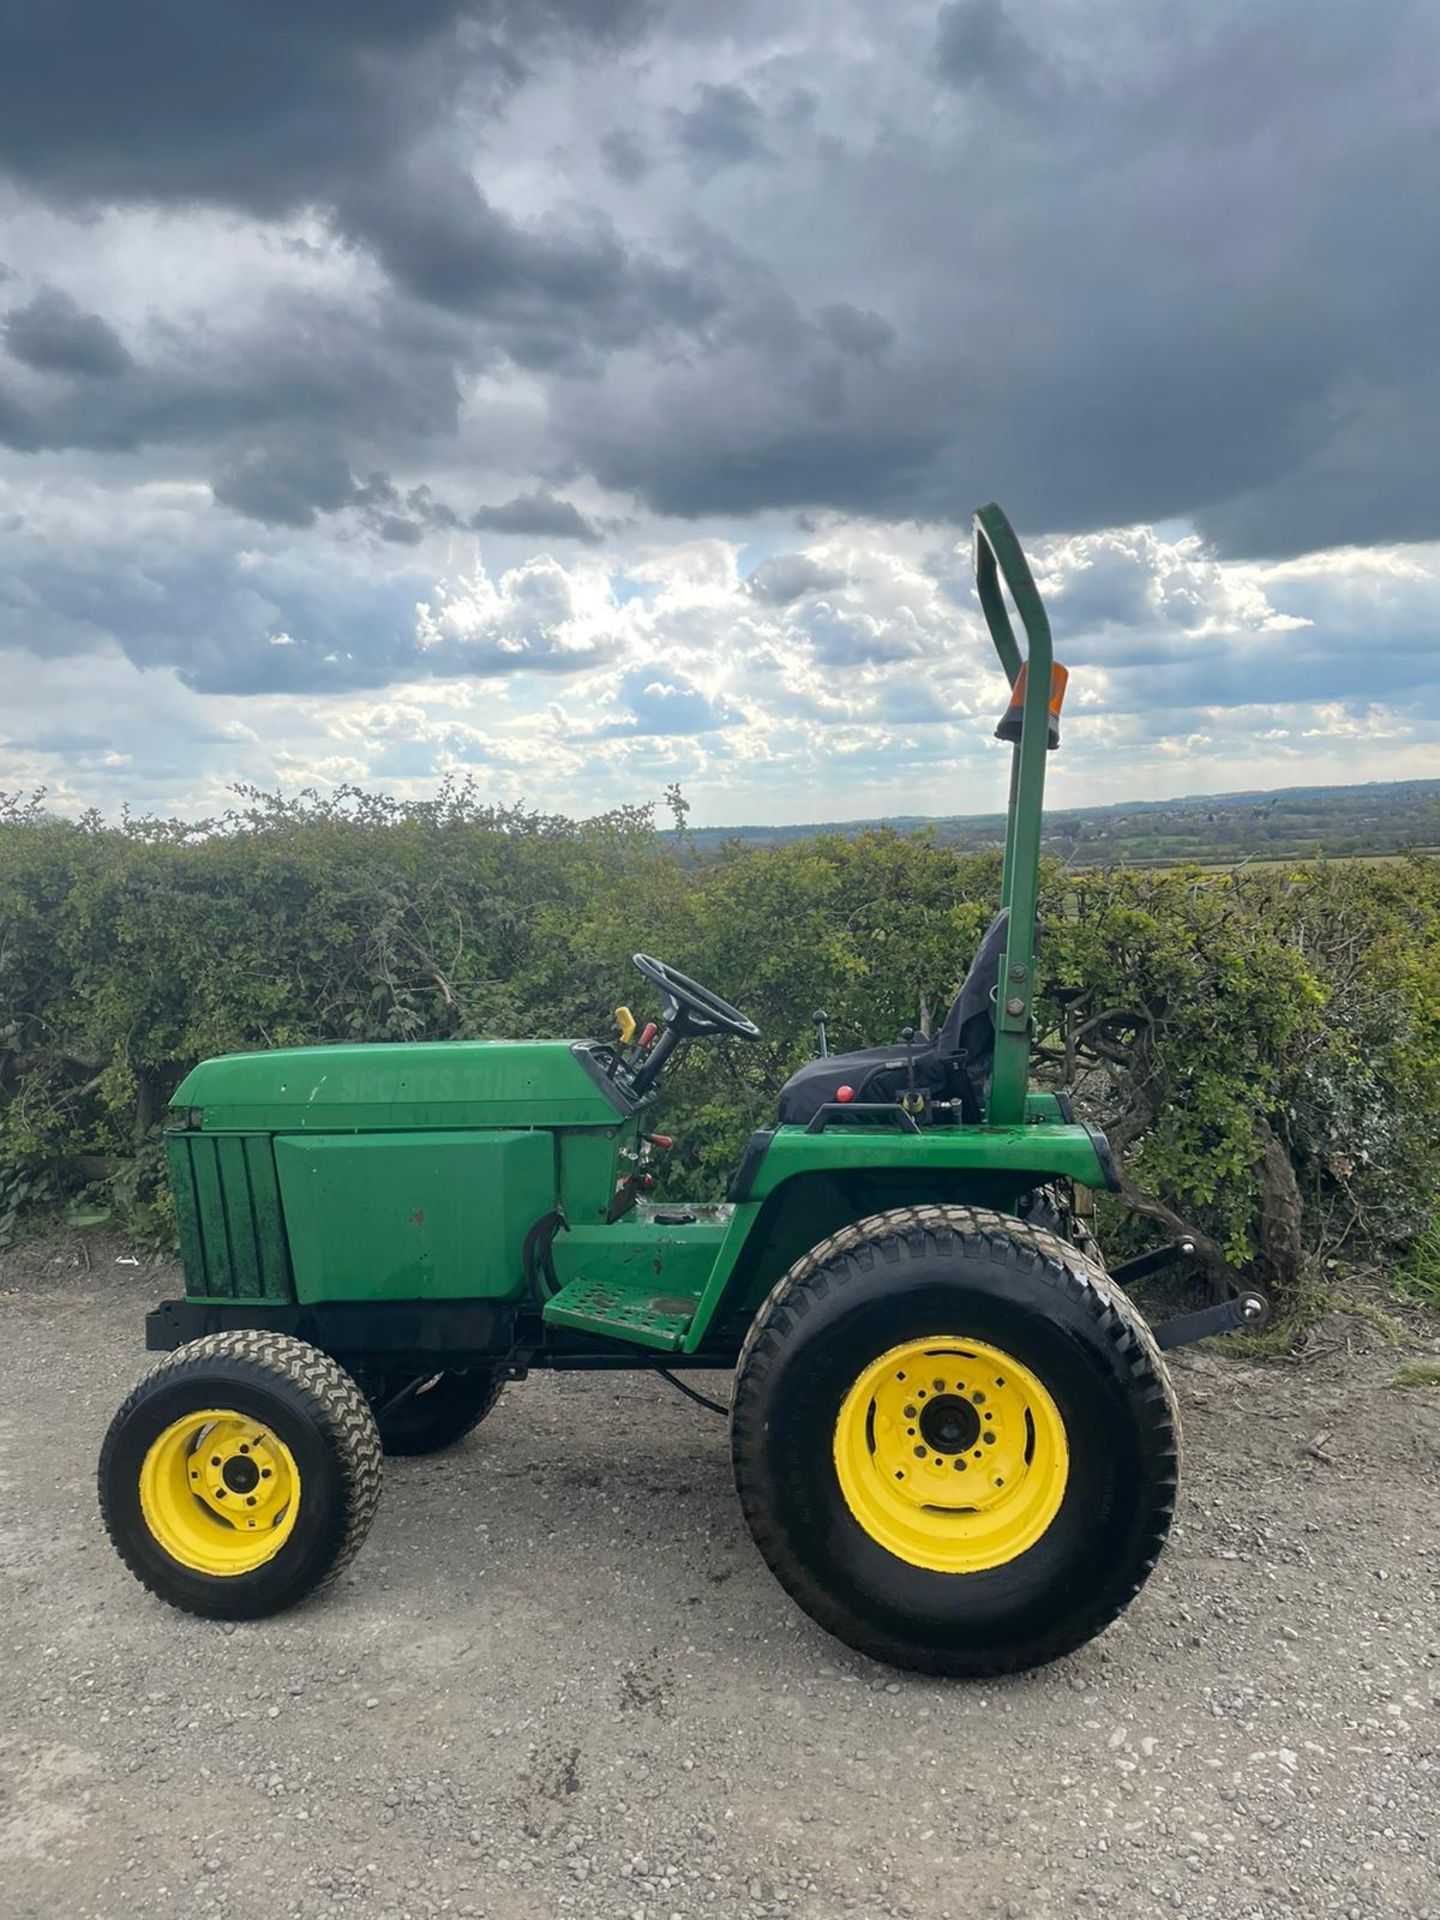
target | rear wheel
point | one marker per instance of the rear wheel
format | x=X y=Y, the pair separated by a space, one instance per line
x=955 y=1441
x=424 y=1415
x=240 y=1475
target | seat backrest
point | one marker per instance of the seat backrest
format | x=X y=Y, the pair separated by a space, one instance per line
x=969 y=1026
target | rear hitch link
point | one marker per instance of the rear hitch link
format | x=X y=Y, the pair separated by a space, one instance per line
x=1248 y=1310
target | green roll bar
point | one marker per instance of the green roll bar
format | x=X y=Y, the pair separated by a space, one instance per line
x=998 y=558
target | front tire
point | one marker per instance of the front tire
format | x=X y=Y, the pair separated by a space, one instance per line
x=438 y=1410
x=954 y=1440
x=241 y=1475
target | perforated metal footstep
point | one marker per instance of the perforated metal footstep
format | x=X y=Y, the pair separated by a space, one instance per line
x=657 y=1320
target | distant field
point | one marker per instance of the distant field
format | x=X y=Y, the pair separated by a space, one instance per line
x=1376 y=822
x=1294 y=860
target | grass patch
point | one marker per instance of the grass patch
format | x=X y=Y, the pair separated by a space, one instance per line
x=1417 y=1275
x=1418 y=1373
x=1374 y=1315
x=1292 y=1316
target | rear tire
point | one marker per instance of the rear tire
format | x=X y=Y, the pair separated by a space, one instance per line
x=955 y=1441
x=442 y=1409
x=241 y=1475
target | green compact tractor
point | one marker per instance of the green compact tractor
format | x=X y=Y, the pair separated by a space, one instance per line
x=954 y=1437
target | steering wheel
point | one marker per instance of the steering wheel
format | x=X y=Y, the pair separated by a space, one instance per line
x=690 y=1010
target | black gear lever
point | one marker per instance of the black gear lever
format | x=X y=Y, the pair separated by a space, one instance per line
x=912 y=1102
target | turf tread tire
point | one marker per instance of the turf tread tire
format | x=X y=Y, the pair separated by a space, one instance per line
x=330 y=1398
x=457 y=1416
x=894 y=1238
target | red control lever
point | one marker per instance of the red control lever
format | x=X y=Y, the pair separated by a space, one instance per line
x=660 y=1140
x=648 y=1035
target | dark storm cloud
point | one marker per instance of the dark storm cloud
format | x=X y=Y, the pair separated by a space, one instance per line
x=542 y=515
x=275 y=109
x=52 y=335
x=1113 y=265
x=977 y=43
x=854 y=331
x=372 y=371
x=724 y=128
x=291 y=483
x=624 y=157
x=1193 y=288
x=286 y=488
x=729 y=445
x=552 y=297
x=264 y=107
x=1197 y=286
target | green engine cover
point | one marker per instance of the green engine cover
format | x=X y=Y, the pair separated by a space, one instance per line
x=444 y=1083
x=388 y=1172
x=413 y=1216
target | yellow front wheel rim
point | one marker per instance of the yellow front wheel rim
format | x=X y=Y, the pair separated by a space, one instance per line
x=951 y=1455
x=220 y=1492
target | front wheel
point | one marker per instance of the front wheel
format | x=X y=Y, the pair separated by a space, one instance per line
x=955 y=1441
x=427 y=1414
x=240 y=1475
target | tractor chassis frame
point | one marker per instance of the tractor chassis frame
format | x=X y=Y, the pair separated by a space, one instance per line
x=511 y=1337
x=440 y=1335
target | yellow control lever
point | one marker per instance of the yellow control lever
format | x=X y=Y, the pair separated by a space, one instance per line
x=625 y=1021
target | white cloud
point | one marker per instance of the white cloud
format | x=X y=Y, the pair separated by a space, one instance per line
x=580 y=683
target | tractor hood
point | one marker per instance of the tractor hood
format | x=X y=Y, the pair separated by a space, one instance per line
x=448 y=1083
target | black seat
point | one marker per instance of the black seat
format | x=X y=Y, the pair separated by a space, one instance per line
x=954 y=1065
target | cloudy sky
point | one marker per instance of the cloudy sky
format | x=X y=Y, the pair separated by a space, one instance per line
x=589 y=394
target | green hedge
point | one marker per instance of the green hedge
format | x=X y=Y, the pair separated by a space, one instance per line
x=1265 y=1045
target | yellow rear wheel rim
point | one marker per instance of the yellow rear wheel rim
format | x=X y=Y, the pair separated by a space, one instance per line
x=220 y=1492
x=951 y=1455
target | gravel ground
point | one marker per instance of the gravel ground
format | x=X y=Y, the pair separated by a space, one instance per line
x=559 y=1681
